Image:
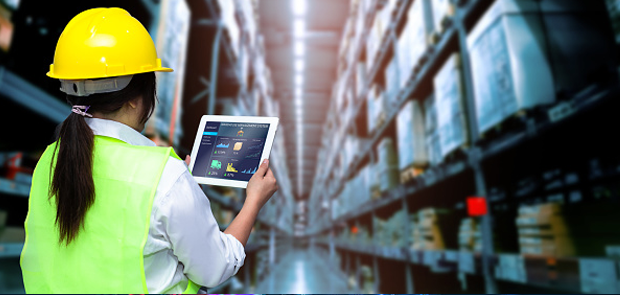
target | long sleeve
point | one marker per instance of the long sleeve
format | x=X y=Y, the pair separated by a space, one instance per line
x=184 y=218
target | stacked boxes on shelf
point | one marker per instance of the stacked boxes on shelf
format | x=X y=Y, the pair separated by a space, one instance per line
x=470 y=236
x=228 y=9
x=513 y=36
x=511 y=267
x=360 y=80
x=543 y=231
x=388 y=165
x=360 y=235
x=443 y=10
x=172 y=39
x=392 y=89
x=376 y=108
x=414 y=39
x=429 y=229
x=450 y=106
x=390 y=232
x=431 y=131
x=412 y=155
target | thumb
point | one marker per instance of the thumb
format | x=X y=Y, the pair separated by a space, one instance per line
x=262 y=170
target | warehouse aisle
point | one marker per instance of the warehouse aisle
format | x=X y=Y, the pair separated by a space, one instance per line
x=303 y=271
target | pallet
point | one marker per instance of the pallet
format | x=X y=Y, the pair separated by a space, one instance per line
x=410 y=173
x=517 y=122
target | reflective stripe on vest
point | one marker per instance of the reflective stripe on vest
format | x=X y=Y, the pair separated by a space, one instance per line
x=107 y=254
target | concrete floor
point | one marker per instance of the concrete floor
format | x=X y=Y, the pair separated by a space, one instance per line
x=303 y=271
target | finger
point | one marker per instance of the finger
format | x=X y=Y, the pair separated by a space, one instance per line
x=270 y=174
x=187 y=160
x=262 y=169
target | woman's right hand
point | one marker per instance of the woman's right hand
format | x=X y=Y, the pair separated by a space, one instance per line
x=261 y=186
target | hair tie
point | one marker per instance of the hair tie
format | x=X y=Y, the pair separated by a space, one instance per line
x=81 y=110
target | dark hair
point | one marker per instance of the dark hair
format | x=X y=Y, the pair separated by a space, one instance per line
x=72 y=182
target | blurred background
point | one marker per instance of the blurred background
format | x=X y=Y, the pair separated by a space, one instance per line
x=427 y=146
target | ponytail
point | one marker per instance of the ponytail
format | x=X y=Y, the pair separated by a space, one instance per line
x=72 y=183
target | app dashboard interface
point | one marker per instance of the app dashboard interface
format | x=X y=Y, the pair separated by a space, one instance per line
x=230 y=150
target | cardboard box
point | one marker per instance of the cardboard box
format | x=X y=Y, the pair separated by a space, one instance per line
x=415 y=38
x=432 y=144
x=442 y=10
x=450 y=107
x=388 y=165
x=411 y=139
x=376 y=108
x=392 y=83
x=510 y=61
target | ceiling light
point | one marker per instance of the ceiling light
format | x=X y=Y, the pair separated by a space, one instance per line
x=299 y=7
x=298 y=93
x=298 y=28
x=299 y=65
x=299 y=80
x=299 y=48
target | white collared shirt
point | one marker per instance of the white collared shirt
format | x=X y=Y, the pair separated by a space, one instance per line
x=184 y=238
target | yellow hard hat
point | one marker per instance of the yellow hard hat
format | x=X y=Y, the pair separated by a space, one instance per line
x=101 y=43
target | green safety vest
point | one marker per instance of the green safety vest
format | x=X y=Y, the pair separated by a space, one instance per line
x=107 y=255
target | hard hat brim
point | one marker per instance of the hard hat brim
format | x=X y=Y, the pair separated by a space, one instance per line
x=52 y=75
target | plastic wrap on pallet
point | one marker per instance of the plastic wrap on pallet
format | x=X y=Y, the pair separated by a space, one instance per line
x=228 y=9
x=449 y=102
x=442 y=9
x=392 y=79
x=172 y=39
x=373 y=41
x=360 y=79
x=415 y=38
x=388 y=165
x=248 y=8
x=410 y=131
x=376 y=106
x=513 y=68
x=431 y=131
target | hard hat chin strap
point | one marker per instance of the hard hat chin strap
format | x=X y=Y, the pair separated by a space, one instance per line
x=88 y=87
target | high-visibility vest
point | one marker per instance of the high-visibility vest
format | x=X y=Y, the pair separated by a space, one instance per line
x=107 y=254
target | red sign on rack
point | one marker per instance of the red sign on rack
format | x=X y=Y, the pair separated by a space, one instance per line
x=476 y=206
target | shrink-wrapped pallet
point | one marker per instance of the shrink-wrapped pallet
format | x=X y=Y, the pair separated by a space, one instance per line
x=388 y=165
x=414 y=39
x=376 y=108
x=411 y=138
x=523 y=52
x=450 y=106
x=431 y=131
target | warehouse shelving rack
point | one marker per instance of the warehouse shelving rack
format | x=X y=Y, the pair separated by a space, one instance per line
x=253 y=96
x=469 y=166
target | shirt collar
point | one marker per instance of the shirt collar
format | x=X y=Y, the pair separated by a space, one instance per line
x=118 y=130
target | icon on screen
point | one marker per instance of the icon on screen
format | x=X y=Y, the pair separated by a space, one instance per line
x=237 y=146
x=215 y=164
x=230 y=168
x=240 y=133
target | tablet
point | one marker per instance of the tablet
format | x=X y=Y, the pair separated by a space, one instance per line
x=228 y=149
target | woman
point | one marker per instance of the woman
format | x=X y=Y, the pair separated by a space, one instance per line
x=109 y=212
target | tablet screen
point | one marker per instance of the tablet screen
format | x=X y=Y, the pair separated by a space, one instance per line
x=230 y=150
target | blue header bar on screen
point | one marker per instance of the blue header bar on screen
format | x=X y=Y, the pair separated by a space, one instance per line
x=210 y=133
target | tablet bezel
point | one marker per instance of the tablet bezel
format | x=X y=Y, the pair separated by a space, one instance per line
x=273 y=126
